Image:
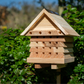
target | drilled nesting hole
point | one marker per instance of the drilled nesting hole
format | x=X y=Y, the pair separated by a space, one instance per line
x=43 y=47
x=50 y=53
x=43 y=42
x=43 y=52
x=40 y=32
x=36 y=52
x=56 y=53
x=49 y=42
x=59 y=32
x=49 y=47
x=56 y=47
x=56 y=42
x=49 y=32
x=36 y=42
x=36 y=47
x=30 y=32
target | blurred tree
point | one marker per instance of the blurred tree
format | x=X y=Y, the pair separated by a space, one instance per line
x=3 y=15
x=74 y=3
x=20 y=18
x=63 y=3
x=49 y=6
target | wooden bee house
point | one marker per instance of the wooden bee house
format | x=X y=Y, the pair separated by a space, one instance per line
x=51 y=40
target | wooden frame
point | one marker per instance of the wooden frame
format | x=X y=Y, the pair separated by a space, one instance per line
x=51 y=49
x=44 y=33
x=51 y=44
x=50 y=60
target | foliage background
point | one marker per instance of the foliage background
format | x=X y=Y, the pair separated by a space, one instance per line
x=75 y=18
x=14 y=50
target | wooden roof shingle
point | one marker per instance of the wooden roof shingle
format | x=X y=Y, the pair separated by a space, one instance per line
x=56 y=19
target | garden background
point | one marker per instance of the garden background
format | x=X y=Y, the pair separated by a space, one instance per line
x=14 y=49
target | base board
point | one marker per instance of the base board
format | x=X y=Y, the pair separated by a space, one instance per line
x=50 y=60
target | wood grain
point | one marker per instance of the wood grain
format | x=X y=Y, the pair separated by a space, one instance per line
x=50 y=61
x=49 y=55
x=45 y=33
x=45 y=24
x=58 y=21
x=51 y=49
x=51 y=44
x=63 y=25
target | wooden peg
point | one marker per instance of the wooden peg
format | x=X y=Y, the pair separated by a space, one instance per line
x=39 y=66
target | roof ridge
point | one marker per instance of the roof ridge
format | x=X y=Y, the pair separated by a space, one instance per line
x=50 y=11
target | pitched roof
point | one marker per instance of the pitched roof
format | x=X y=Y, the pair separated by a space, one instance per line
x=56 y=19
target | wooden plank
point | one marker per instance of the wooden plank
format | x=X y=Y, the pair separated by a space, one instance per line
x=51 y=49
x=68 y=55
x=69 y=59
x=50 y=61
x=39 y=66
x=51 y=44
x=45 y=33
x=65 y=39
x=46 y=60
x=48 y=55
x=58 y=66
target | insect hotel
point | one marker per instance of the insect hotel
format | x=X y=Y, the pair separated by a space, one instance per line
x=51 y=40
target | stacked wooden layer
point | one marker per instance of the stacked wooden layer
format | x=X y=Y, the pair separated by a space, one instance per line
x=51 y=49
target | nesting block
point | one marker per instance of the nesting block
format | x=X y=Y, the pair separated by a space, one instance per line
x=51 y=41
x=51 y=47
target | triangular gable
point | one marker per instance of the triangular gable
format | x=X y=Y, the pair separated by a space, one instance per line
x=45 y=24
x=57 y=20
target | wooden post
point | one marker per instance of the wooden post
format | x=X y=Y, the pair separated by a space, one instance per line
x=58 y=77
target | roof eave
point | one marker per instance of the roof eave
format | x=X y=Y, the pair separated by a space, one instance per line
x=38 y=17
x=72 y=35
x=52 y=19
